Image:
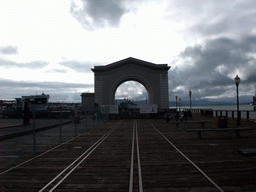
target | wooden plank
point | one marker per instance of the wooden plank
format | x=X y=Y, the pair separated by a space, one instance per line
x=222 y=129
x=199 y=131
x=188 y=122
x=247 y=152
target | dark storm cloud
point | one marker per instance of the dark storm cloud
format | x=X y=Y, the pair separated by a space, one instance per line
x=236 y=16
x=32 y=65
x=56 y=90
x=252 y=79
x=8 y=50
x=97 y=14
x=211 y=66
x=82 y=67
x=226 y=32
x=215 y=18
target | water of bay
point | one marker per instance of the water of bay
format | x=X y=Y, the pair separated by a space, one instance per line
x=242 y=108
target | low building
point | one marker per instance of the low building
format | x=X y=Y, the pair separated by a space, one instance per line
x=88 y=102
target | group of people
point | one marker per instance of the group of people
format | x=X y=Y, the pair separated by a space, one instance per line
x=182 y=117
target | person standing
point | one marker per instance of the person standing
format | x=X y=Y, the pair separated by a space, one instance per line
x=166 y=116
x=177 y=116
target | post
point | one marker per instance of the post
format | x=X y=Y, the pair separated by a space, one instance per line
x=237 y=81
x=26 y=120
x=93 y=116
x=34 y=131
x=60 y=126
x=238 y=112
x=179 y=103
x=86 y=117
x=190 y=92
x=75 y=120
x=176 y=97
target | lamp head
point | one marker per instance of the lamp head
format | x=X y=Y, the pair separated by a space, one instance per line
x=237 y=80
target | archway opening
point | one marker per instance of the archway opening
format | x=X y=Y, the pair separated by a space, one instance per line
x=131 y=92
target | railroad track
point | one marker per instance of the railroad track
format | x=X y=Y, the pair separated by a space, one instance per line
x=135 y=139
x=131 y=155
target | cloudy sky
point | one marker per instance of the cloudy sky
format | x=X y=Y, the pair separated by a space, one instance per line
x=50 y=46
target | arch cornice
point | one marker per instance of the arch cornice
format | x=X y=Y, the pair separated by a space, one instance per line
x=131 y=60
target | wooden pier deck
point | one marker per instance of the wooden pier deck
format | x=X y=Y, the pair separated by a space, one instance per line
x=101 y=159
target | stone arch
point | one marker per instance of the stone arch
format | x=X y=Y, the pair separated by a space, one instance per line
x=131 y=78
x=154 y=77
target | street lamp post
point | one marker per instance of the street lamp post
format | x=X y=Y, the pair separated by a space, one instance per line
x=176 y=97
x=237 y=81
x=190 y=93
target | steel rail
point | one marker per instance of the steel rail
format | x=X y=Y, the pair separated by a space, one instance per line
x=135 y=134
x=138 y=158
x=82 y=157
x=132 y=160
x=200 y=170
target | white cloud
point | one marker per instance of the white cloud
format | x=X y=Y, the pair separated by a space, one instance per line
x=131 y=90
x=206 y=42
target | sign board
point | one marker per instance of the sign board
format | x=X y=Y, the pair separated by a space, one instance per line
x=109 y=109
x=149 y=108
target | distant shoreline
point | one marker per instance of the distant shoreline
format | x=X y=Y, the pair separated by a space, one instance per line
x=219 y=107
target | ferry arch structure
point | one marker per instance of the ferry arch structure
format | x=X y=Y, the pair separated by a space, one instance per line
x=154 y=77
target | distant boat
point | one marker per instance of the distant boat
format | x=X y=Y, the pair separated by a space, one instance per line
x=127 y=104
